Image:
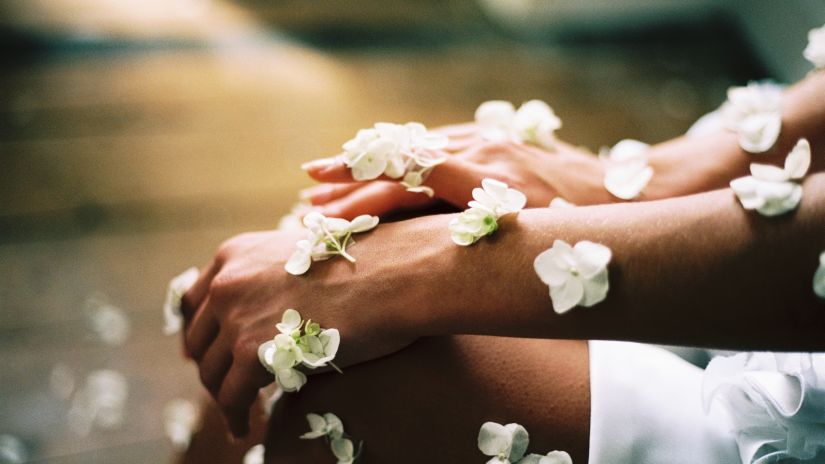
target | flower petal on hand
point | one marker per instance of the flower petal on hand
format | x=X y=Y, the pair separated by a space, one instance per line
x=799 y=160
x=595 y=289
x=300 y=260
x=591 y=258
x=290 y=320
x=363 y=223
x=567 y=295
x=178 y=286
x=494 y=119
x=548 y=270
x=768 y=172
x=290 y=380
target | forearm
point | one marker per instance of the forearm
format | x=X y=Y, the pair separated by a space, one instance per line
x=696 y=270
x=688 y=165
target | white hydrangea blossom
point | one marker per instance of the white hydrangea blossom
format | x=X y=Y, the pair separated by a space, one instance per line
x=408 y=152
x=326 y=237
x=255 y=455
x=171 y=306
x=626 y=168
x=772 y=190
x=755 y=113
x=577 y=276
x=560 y=202
x=299 y=342
x=100 y=402
x=815 y=51
x=331 y=427
x=553 y=457
x=505 y=443
x=343 y=450
x=180 y=418
x=108 y=322
x=819 y=277
x=534 y=122
x=320 y=426
x=493 y=200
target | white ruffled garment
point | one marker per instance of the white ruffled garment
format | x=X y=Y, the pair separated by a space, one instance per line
x=774 y=403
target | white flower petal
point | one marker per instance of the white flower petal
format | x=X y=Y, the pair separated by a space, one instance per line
x=290 y=379
x=363 y=223
x=755 y=113
x=567 y=295
x=626 y=169
x=520 y=441
x=815 y=51
x=494 y=119
x=300 y=260
x=513 y=201
x=591 y=258
x=290 y=320
x=627 y=185
x=799 y=160
x=316 y=422
x=255 y=455
x=180 y=418
x=783 y=204
x=171 y=306
x=559 y=202
x=494 y=439
x=595 y=289
x=548 y=270
x=334 y=426
x=768 y=172
x=819 y=277
x=342 y=449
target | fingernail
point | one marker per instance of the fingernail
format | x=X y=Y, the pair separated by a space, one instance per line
x=319 y=163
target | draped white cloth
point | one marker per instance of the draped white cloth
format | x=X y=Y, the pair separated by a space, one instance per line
x=646 y=408
x=650 y=406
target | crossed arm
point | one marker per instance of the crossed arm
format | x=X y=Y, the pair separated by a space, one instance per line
x=693 y=270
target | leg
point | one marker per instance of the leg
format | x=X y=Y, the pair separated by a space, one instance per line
x=427 y=403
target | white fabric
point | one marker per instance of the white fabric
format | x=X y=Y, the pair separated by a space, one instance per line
x=646 y=408
x=773 y=402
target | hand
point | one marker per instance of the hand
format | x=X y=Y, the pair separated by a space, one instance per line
x=241 y=295
x=569 y=172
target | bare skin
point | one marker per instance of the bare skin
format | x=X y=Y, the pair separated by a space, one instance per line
x=687 y=270
x=426 y=403
x=683 y=166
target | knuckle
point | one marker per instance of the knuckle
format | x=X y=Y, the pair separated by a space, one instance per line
x=245 y=350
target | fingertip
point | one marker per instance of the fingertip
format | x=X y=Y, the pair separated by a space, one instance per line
x=328 y=170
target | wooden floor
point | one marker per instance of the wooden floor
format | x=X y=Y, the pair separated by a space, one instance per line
x=121 y=167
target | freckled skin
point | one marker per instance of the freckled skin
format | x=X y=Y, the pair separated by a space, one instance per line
x=435 y=395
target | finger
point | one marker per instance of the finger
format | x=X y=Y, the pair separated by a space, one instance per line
x=457 y=130
x=214 y=365
x=328 y=170
x=377 y=199
x=454 y=180
x=193 y=298
x=238 y=393
x=324 y=193
x=202 y=332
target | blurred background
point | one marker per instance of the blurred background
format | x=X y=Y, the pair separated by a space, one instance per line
x=136 y=135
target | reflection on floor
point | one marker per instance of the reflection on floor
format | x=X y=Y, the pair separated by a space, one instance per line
x=119 y=170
